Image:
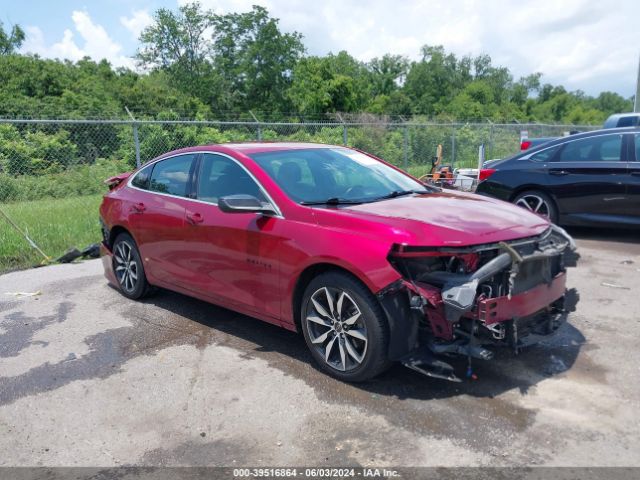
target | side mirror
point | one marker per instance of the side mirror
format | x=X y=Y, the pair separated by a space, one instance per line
x=244 y=204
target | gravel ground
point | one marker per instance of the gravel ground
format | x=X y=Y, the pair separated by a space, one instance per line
x=89 y=378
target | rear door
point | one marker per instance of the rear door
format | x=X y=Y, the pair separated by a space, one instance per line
x=587 y=177
x=157 y=217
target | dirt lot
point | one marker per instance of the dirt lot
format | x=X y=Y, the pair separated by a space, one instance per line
x=90 y=378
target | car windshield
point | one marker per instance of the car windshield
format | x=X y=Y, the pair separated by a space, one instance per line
x=334 y=175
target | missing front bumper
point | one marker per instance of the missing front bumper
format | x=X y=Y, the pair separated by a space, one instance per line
x=513 y=298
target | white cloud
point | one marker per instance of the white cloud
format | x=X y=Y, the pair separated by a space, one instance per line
x=138 y=21
x=95 y=43
x=580 y=44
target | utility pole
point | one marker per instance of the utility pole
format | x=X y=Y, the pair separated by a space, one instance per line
x=636 y=102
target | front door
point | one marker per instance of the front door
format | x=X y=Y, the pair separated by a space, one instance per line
x=233 y=257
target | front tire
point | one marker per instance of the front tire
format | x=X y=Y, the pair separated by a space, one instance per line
x=538 y=202
x=344 y=327
x=128 y=268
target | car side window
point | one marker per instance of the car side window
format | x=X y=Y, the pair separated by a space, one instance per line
x=544 y=155
x=172 y=175
x=141 y=180
x=220 y=176
x=637 y=142
x=604 y=148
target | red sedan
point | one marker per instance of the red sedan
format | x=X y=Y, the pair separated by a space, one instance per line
x=371 y=265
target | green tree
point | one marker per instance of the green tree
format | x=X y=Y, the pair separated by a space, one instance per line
x=387 y=73
x=11 y=41
x=610 y=102
x=177 y=43
x=434 y=80
x=255 y=58
x=335 y=83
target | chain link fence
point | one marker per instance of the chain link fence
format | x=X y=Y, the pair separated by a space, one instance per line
x=52 y=171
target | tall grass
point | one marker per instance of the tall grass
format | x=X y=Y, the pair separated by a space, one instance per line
x=53 y=224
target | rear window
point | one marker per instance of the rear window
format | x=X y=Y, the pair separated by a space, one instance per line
x=141 y=180
x=172 y=175
x=544 y=155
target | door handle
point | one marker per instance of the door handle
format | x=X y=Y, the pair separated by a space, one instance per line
x=138 y=207
x=558 y=172
x=194 y=218
x=636 y=173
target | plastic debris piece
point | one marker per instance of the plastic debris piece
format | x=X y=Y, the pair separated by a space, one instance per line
x=91 y=251
x=24 y=294
x=69 y=256
x=613 y=285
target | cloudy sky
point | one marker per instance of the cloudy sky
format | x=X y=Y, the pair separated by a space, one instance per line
x=581 y=44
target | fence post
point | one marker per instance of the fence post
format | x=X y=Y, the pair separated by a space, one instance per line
x=259 y=131
x=405 y=148
x=453 y=148
x=344 y=129
x=481 y=159
x=136 y=142
x=490 y=138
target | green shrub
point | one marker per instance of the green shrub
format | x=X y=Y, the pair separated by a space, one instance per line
x=34 y=152
x=77 y=180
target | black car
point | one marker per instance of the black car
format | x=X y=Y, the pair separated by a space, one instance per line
x=589 y=178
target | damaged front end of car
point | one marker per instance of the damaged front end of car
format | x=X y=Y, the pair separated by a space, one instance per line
x=463 y=301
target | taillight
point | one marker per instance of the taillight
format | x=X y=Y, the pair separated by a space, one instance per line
x=524 y=144
x=486 y=173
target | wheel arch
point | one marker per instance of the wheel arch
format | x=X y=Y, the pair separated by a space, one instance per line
x=532 y=187
x=115 y=231
x=401 y=323
x=307 y=275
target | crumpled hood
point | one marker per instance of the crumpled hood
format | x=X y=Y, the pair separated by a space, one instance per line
x=450 y=219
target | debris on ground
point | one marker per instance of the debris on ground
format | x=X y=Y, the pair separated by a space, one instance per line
x=69 y=256
x=556 y=365
x=613 y=285
x=24 y=294
x=91 y=251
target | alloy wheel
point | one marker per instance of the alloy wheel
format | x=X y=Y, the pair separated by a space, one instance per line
x=126 y=267
x=336 y=328
x=535 y=204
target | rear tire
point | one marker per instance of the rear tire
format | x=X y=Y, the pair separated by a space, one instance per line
x=345 y=327
x=538 y=202
x=128 y=268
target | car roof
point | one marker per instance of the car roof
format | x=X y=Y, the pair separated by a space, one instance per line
x=612 y=121
x=575 y=136
x=248 y=148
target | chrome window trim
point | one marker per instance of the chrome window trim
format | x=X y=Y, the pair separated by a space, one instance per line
x=528 y=156
x=278 y=212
